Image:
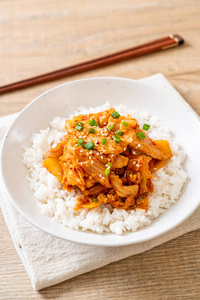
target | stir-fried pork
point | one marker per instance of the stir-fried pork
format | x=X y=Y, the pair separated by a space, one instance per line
x=109 y=158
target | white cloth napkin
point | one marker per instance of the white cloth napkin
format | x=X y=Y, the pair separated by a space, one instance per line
x=49 y=260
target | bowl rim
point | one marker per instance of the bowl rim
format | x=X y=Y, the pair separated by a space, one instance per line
x=71 y=239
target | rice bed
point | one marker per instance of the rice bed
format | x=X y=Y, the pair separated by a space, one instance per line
x=59 y=204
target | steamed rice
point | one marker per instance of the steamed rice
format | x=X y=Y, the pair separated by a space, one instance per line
x=59 y=204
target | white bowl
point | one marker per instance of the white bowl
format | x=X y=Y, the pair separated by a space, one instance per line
x=63 y=100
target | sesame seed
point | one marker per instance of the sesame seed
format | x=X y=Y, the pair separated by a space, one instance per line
x=100 y=175
x=92 y=162
x=101 y=156
x=138 y=145
x=124 y=149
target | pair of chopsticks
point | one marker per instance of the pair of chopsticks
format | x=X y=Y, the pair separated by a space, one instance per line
x=147 y=48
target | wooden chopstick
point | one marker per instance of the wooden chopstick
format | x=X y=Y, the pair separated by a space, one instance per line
x=147 y=48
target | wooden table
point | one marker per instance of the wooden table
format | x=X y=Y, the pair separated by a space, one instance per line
x=40 y=36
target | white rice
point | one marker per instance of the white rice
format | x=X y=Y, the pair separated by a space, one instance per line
x=59 y=204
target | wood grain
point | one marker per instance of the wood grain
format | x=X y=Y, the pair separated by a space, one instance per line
x=39 y=36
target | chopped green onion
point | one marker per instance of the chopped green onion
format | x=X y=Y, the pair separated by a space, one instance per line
x=146 y=127
x=119 y=133
x=104 y=141
x=80 y=142
x=94 y=200
x=116 y=139
x=109 y=165
x=140 y=135
x=115 y=115
x=125 y=123
x=107 y=171
x=79 y=126
x=93 y=123
x=91 y=130
x=89 y=145
x=111 y=126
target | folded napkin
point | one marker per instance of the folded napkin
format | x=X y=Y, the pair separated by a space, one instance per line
x=49 y=260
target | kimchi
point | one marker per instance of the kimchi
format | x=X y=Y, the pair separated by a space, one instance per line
x=109 y=158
